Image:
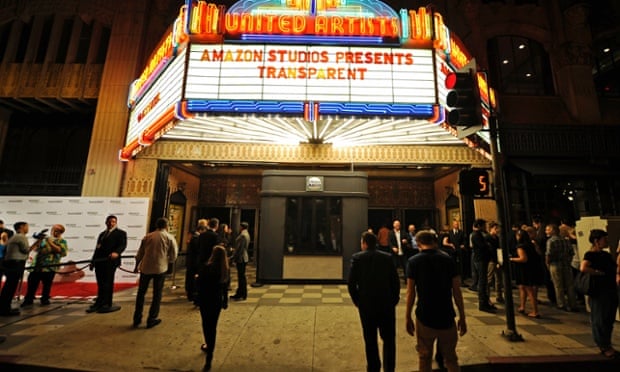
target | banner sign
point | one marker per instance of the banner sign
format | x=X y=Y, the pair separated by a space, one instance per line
x=84 y=219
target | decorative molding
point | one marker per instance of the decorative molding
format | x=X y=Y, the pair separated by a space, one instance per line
x=139 y=180
x=305 y=153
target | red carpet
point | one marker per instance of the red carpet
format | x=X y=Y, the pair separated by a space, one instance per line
x=77 y=289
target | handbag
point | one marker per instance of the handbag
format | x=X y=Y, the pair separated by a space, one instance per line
x=584 y=284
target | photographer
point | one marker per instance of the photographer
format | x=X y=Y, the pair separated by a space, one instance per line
x=17 y=250
x=50 y=250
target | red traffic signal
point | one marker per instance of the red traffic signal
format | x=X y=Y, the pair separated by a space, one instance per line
x=462 y=99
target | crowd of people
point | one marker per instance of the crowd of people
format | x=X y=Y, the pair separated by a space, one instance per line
x=435 y=266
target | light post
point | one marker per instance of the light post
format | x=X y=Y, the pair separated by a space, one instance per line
x=500 y=198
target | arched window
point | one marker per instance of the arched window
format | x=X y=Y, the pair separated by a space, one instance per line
x=519 y=66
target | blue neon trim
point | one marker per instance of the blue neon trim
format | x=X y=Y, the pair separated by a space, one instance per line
x=325 y=108
x=395 y=109
x=310 y=39
x=246 y=107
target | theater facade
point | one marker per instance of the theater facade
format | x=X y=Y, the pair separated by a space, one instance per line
x=311 y=120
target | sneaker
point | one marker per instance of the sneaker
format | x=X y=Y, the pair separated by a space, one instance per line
x=26 y=304
x=499 y=300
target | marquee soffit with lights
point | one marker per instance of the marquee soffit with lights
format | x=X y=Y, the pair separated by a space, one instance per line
x=340 y=72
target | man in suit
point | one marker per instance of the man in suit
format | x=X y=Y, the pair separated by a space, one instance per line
x=399 y=245
x=240 y=258
x=456 y=237
x=374 y=288
x=111 y=243
x=207 y=240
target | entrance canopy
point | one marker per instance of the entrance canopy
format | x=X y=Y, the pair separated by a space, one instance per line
x=346 y=73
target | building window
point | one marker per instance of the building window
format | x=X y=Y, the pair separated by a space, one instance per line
x=22 y=47
x=84 y=43
x=5 y=32
x=313 y=225
x=45 y=40
x=65 y=38
x=103 y=45
x=519 y=66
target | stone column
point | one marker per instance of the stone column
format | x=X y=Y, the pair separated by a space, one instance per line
x=104 y=171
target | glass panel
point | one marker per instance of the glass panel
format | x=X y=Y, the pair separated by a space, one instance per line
x=313 y=225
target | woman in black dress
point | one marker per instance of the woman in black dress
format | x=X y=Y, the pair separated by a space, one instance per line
x=212 y=298
x=604 y=298
x=528 y=273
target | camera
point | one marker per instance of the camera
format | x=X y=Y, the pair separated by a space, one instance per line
x=41 y=234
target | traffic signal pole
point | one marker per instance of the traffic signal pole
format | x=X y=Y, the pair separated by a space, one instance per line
x=500 y=197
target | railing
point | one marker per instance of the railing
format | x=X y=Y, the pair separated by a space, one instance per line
x=51 y=181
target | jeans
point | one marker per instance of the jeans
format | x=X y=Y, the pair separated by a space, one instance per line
x=14 y=270
x=383 y=319
x=483 y=294
x=603 y=309
x=446 y=345
x=242 y=285
x=158 y=286
x=209 y=314
x=562 y=278
x=36 y=277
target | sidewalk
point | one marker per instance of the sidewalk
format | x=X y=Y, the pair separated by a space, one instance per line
x=279 y=328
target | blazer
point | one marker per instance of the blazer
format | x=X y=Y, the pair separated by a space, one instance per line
x=373 y=281
x=406 y=247
x=241 y=247
x=457 y=238
x=157 y=249
x=108 y=242
x=206 y=241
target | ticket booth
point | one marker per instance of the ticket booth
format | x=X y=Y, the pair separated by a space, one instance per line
x=310 y=224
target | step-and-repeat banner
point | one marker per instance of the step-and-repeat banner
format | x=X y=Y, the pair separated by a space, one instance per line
x=84 y=219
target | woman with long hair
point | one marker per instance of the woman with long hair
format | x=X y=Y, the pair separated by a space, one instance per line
x=604 y=297
x=212 y=298
x=528 y=273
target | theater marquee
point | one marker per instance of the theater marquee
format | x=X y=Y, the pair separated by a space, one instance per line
x=316 y=71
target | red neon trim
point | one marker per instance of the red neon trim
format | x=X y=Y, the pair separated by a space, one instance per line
x=127 y=152
x=436 y=114
x=148 y=135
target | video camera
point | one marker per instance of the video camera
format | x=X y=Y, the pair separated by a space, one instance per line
x=41 y=234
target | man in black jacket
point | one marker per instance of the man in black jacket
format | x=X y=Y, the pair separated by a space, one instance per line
x=375 y=290
x=111 y=243
x=207 y=240
x=482 y=257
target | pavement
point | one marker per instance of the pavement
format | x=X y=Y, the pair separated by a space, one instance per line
x=292 y=328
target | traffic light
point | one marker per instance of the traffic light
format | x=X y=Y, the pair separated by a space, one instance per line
x=474 y=182
x=463 y=101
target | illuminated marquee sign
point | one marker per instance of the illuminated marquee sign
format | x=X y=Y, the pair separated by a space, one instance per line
x=310 y=73
x=303 y=58
x=162 y=96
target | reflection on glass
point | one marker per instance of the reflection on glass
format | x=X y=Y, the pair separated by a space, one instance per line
x=313 y=225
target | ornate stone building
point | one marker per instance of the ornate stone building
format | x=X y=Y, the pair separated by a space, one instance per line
x=66 y=67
